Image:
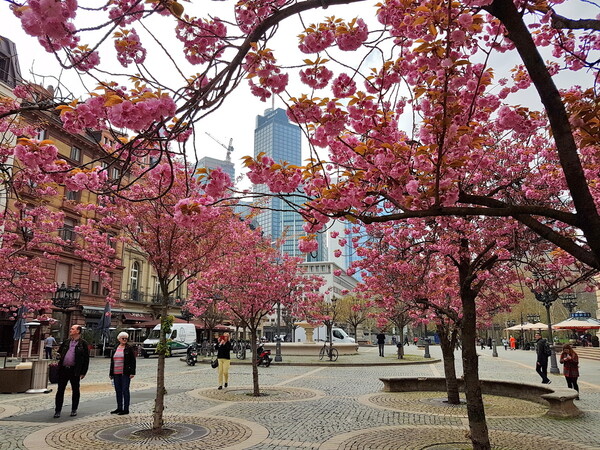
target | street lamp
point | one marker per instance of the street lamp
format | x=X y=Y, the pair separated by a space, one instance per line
x=569 y=301
x=510 y=323
x=533 y=318
x=66 y=297
x=546 y=298
x=278 y=357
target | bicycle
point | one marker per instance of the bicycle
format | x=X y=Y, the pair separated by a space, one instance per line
x=240 y=350
x=329 y=351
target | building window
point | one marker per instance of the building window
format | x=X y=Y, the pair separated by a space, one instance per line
x=41 y=135
x=134 y=278
x=68 y=230
x=115 y=173
x=95 y=284
x=179 y=289
x=72 y=195
x=75 y=154
x=155 y=286
x=4 y=64
x=111 y=240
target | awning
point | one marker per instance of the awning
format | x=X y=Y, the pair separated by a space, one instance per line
x=137 y=317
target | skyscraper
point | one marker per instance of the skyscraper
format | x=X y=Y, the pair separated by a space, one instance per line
x=281 y=140
x=211 y=163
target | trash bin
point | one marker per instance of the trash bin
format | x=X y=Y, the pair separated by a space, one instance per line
x=39 y=377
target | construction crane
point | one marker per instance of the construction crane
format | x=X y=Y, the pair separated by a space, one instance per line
x=229 y=147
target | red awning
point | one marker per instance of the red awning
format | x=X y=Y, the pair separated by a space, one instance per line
x=137 y=317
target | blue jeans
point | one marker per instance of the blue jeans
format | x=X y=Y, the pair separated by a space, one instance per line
x=122 y=391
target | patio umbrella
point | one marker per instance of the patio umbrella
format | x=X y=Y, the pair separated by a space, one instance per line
x=528 y=326
x=573 y=323
x=20 y=327
x=104 y=325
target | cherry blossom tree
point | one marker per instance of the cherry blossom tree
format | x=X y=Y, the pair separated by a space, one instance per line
x=250 y=281
x=177 y=246
x=450 y=273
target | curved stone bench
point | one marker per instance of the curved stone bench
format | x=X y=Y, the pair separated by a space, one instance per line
x=559 y=400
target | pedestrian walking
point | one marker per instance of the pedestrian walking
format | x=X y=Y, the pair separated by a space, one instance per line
x=570 y=359
x=121 y=372
x=482 y=343
x=489 y=341
x=405 y=340
x=73 y=363
x=513 y=342
x=415 y=340
x=505 y=343
x=49 y=344
x=381 y=343
x=543 y=351
x=223 y=348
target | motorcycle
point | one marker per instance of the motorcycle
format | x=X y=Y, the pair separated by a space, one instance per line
x=263 y=356
x=192 y=355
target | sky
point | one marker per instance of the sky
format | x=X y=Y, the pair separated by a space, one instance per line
x=236 y=118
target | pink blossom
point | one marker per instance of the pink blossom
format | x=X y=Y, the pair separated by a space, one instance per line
x=343 y=86
x=308 y=244
x=129 y=48
x=316 y=77
x=351 y=36
x=317 y=40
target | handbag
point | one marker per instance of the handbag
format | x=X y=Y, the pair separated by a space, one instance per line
x=214 y=363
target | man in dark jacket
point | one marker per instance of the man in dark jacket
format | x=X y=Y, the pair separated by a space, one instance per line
x=72 y=368
x=381 y=343
x=541 y=365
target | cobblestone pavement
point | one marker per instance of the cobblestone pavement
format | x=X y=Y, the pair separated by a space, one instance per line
x=308 y=406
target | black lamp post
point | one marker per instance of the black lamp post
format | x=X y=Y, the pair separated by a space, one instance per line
x=66 y=297
x=569 y=301
x=186 y=315
x=278 y=357
x=510 y=323
x=546 y=298
x=533 y=318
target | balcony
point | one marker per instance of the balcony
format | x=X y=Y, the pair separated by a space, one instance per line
x=173 y=301
x=135 y=296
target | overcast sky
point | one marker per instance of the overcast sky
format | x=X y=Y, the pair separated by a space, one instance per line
x=236 y=118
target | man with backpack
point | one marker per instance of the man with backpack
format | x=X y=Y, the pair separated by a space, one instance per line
x=543 y=351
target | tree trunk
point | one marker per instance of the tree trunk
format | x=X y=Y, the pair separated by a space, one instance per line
x=447 y=345
x=159 y=401
x=253 y=346
x=476 y=413
x=400 y=343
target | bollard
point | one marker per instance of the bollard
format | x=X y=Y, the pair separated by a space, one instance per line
x=495 y=350
x=426 y=355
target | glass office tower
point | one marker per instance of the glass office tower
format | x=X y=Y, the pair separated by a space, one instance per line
x=281 y=140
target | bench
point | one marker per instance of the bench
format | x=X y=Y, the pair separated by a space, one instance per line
x=559 y=400
x=15 y=379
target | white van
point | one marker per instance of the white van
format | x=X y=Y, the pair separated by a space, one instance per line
x=320 y=334
x=181 y=337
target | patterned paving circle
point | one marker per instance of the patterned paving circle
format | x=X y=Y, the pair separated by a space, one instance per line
x=187 y=431
x=434 y=403
x=175 y=432
x=439 y=438
x=268 y=394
